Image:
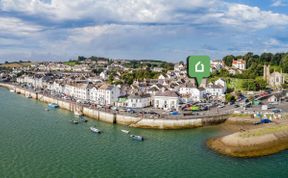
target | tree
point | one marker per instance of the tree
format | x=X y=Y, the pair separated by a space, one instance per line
x=228 y=60
x=266 y=58
x=284 y=63
x=229 y=97
x=276 y=59
x=81 y=58
x=261 y=84
x=249 y=85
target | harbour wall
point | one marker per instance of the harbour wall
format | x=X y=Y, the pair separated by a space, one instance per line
x=123 y=118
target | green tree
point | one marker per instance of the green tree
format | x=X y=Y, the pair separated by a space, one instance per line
x=266 y=58
x=284 y=63
x=276 y=59
x=228 y=60
x=229 y=97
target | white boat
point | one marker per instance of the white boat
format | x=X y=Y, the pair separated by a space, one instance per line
x=12 y=91
x=53 y=105
x=28 y=96
x=125 y=131
x=93 y=129
x=137 y=137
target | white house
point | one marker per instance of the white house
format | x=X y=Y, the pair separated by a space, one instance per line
x=107 y=94
x=168 y=100
x=221 y=82
x=215 y=90
x=103 y=75
x=78 y=90
x=192 y=93
x=139 y=101
x=239 y=64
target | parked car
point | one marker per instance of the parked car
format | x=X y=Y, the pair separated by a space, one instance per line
x=236 y=106
x=221 y=106
x=276 y=110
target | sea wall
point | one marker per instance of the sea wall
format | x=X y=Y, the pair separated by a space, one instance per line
x=179 y=123
x=124 y=118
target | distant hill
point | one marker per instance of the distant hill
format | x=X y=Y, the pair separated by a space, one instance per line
x=16 y=64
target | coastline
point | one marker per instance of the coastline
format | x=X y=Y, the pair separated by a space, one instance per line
x=254 y=142
x=124 y=118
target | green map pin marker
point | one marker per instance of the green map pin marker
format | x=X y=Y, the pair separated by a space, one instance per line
x=198 y=67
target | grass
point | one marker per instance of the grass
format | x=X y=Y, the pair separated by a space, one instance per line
x=240 y=115
x=264 y=131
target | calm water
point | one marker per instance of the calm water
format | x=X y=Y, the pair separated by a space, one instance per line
x=37 y=143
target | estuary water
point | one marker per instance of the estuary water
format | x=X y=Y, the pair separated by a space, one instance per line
x=37 y=143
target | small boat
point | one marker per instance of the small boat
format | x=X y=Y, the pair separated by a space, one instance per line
x=53 y=105
x=137 y=137
x=28 y=96
x=93 y=129
x=12 y=91
x=74 y=122
x=82 y=119
x=125 y=131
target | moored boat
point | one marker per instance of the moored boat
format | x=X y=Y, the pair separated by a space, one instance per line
x=53 y=105
x=28 y=96
x=125 y=131
x=93 y=129
x=137 y=137
x=12 y=91
x=74 y=122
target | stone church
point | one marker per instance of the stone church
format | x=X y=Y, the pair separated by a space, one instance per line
x=275 y=80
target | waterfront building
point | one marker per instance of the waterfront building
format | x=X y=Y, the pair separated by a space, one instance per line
x=168 y=100
x=107 y=95
x=139 y=100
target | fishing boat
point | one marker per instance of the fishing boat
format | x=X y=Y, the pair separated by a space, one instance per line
x=137 y=137
x=82 y=119
x=74 y=121
x=93 y=129
x=53 y=105
x=125 y=131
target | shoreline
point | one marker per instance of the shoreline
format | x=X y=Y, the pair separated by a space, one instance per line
x=238 y=144
x=254 y=142
x=124 y=118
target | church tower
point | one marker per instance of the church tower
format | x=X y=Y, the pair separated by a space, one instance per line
x=266 y=72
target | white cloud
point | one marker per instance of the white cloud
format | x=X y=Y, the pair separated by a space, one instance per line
x=119 y=27
x=18 y=27
x=244 y=16
x=278 y=3
x=272 y=43
x=155 y=11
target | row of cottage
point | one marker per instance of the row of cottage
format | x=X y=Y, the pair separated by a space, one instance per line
x=161 y=94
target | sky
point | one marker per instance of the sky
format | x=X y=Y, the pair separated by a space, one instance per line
x=140 y=29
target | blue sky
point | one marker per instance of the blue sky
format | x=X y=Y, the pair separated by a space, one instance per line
x=140 y=29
